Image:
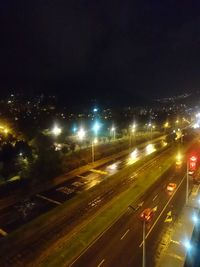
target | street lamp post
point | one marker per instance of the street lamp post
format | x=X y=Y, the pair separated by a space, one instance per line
x=113 y=131
x=132 y=131
x=93 y=144
x=150 y=125
x=187 y=183
x=191 y=165
x=144 y=248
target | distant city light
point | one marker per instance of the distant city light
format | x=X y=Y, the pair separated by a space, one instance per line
x=56 y=130
x=95 y=109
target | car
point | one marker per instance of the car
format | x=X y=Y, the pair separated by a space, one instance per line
x=190 y=172
x=171 y=187
x=147 y=214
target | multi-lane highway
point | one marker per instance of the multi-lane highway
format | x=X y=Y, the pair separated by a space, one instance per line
x=13 y=216
x=121 y=245
x=126 y=228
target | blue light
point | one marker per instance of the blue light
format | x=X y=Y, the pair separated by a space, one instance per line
x=74 y=129
x=95 y=109
x=195 y=218
x=96 y=127
x=187 y=245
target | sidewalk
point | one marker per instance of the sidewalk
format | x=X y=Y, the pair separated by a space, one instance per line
x=180 y=243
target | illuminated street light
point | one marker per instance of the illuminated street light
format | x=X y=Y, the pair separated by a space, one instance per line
x=133 y=128
x=5 y=130
x=166 y=125
x=195 y=218
x=178 y=157
x=74 y=129
x=198 y=115
x=187 y=245
x=56 y=130
x=81 y=134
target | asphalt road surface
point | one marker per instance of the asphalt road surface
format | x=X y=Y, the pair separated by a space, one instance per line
x=121 y=245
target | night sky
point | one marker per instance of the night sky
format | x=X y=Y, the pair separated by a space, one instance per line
x=116 y=50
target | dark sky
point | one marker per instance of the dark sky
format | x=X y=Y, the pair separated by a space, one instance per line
x=113 y=49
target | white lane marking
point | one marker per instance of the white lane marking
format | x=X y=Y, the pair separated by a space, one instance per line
x=48 y=199
x=3 y=233
x=101 y=263
x=155 y=197
x=125 y=234
x=162 y=211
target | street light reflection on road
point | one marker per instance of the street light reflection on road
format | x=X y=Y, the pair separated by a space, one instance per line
x=150 y=148
x=134 y=156
x=113 y=168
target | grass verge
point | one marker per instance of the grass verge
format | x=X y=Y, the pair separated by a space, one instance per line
x=64 y=254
